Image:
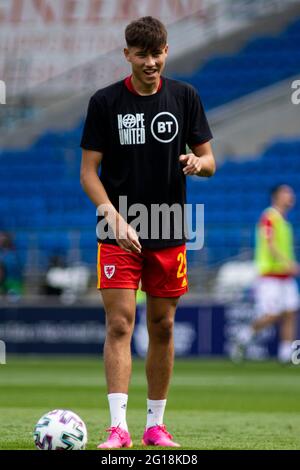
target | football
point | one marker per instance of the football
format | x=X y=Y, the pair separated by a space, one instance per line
x=60 y=430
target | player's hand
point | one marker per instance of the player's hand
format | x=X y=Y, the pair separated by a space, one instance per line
x=191 y=164
x=126 y=237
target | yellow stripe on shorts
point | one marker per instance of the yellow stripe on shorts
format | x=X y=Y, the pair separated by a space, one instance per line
x=99 y=266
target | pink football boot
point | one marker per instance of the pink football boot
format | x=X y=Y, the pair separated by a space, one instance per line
x=158 y=436
x=118 y=438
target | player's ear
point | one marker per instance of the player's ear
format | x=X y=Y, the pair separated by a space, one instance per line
x=126 y=53
x=166 y=49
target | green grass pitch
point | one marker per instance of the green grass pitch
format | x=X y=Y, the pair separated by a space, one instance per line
x=212 y=404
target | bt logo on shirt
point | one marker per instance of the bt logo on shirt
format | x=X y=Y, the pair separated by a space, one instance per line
x=164 y=127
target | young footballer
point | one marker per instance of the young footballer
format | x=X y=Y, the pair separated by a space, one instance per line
x=137 y=130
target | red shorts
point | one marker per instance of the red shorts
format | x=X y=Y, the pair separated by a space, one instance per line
x=162 y=272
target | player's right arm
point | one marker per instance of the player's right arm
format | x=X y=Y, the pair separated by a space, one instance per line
x=125 y=235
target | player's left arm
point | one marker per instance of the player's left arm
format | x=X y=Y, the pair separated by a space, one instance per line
x=199 y=163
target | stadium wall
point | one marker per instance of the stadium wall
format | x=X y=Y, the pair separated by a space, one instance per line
x=200 y=330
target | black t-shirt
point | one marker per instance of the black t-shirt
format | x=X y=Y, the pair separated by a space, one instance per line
x=141 y=138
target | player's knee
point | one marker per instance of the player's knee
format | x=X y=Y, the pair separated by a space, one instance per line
x=119 y=328
x=162 y=330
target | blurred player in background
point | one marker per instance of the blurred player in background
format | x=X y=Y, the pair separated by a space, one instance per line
x=276 y=292
x=137 y=129
x=11 y=276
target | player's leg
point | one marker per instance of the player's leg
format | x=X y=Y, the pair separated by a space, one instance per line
x=264 y=322
x=247 y=333
x=290 y=296
x=164 y=280
x=119 y=305
x=288 y=326
x=118 y=278
x=160 y=357
x=159 y=367
x=268 y=310
x=287 y=336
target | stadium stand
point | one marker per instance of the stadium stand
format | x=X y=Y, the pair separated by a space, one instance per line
x=238 y=193
x=43 y=203
x=44 y=196
x=261 y=62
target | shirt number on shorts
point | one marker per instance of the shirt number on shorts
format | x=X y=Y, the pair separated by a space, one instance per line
x=182 y=264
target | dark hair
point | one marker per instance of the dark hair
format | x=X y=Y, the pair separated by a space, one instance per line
x=147 y=32
x=276 y=189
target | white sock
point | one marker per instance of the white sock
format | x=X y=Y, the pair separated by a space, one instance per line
x=117 y=407
x=245 y=335
x=155 y=412
x=285 y=351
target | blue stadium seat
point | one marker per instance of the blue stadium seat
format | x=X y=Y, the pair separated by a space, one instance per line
x=261 y=62
x=41 y=195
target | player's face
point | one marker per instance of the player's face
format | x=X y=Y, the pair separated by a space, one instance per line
x=287 y=197
x=147 y=66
